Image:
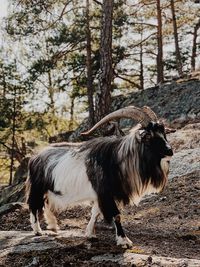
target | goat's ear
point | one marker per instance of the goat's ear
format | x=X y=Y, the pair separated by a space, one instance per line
x=169 y=130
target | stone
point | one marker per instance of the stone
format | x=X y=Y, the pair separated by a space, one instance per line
x=10 y=207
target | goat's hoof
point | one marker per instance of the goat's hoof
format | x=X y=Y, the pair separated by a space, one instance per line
x=51 y=234
x=91 y=236
x=53 y=229
x=124 y=242
x=38 y=233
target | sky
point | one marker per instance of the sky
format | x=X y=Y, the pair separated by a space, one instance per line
x=3 y=8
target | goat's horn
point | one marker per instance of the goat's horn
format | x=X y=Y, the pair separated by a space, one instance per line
x=128 y=112
x=150 y=113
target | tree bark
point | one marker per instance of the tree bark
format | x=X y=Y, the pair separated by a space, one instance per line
x=90 y=88
x=13 y=137
x=141 y=61
x=71 y=121
x=177 y=49
x=160 y=75
x=103 y=95
x=194 y=46
x=51 y=94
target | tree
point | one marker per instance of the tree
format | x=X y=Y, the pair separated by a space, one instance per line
x=12 y=92
x=194 y=46
x=177 y=49
x=160 y=74
x=90 y=87
x=69 y=52
x=103 y=94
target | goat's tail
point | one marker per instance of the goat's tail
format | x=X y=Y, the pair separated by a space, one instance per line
x=34 y=190
x=27 y=188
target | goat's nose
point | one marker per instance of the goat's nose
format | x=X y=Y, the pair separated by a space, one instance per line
x=169 y=151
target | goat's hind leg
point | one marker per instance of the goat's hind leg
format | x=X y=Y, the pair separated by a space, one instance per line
x=35 y=224
x=90 y=230
x=50 y=219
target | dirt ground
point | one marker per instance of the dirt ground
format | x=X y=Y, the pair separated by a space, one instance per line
x=166 y=225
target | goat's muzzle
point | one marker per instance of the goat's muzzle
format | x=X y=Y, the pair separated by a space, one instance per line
x=168 y=151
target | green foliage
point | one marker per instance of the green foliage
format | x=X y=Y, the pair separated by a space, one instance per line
x=53 y=35
x=170 y=61
x=68 y=34
x=48 y=40
x=120 y=19
x=40 y=67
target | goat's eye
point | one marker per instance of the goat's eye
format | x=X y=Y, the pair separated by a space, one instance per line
x=146 y=137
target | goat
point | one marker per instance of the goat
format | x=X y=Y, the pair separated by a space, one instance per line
x=106 y=171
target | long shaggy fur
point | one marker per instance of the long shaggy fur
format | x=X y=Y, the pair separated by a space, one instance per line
x=107 y=170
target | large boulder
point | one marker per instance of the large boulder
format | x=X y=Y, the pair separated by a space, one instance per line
x=12 y=193
x=174 y=102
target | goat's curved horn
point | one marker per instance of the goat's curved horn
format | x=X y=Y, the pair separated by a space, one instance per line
x=150 y=113
x=131 y=112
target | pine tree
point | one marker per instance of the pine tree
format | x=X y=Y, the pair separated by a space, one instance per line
x=103 y=94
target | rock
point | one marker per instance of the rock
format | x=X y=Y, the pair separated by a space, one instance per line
x=185 y=162
x=13 y=193
x=172 y=102
x=12 y=242
x=21 y=242
x=60 y=137
x=145 y=260
x=169 y=101
x=10 y=207
x=34 y=262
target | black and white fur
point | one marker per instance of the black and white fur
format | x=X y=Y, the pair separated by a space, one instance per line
x=105 y=171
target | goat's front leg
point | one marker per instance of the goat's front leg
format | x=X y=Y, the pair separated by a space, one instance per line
x=122 y=239
x=110 y=212
x=90 y=230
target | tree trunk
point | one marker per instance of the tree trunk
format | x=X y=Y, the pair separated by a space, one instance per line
x=194 y=46
x=71 y=121
x=160 y=75
x=141 y=62
x=4 y=84
x=177 y=49
x=103 y=96
x=51 y=94
x=13 y=137
x=90 y=88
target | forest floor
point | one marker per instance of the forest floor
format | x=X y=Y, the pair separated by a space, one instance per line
x=164 y=228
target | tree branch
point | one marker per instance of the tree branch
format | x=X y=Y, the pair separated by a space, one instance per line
x=97 y=2
x=11 y=149
x=144 y=40
x=144 y=23
x=127 y=80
